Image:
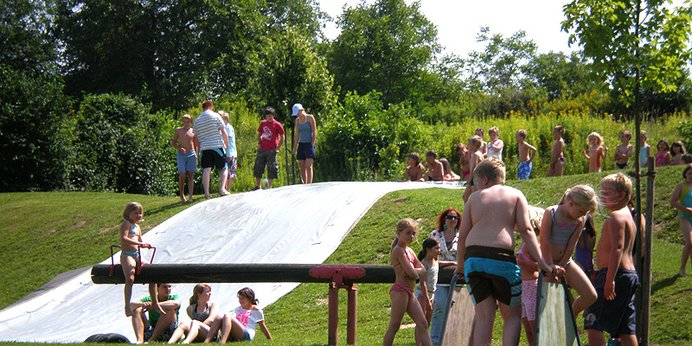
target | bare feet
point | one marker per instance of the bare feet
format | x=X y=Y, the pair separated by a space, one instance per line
x=224 y=193
x=682 y=273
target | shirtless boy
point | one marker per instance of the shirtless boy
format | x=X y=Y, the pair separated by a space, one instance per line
x=616 y=279
x=623 y=152
x=435 y=170
x=475 y=157
x=557 y=158
x=526 y=155
x=486 y=251
x=484 y=146
x=186 y=156
x=414 y=169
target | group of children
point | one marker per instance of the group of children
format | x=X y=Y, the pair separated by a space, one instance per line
x=495 y=277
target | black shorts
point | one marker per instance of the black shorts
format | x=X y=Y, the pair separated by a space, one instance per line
x=213 y=158
x=305 y=151
x=617 y=316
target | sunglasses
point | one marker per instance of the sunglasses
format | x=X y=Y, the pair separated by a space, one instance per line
x=451 y=217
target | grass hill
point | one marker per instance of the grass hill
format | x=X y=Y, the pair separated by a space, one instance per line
x=49 y=233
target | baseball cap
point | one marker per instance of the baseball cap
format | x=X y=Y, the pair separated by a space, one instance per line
x=296 y=107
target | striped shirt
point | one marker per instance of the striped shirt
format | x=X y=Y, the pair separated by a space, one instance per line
x=207 y=128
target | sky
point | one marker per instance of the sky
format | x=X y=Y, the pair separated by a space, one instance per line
x=459 y=21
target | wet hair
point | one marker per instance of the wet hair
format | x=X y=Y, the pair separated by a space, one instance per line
x=130 y=207
x=446 y=167
x=428 y=243
x=442 y=217
x=270 y=110
x=583 y=196
x=687 y=168
x=403 y=225
x=207 y=104
x=248 y=293
x=414 y=156
x=431 y=153
x=475 y=140
x=492 y=168
x=594 y=135
x=521 y=133
x=679 y=145
x=196 y=291
x=620 y=183
x=493 y=129
x=559 y=128
x=664 y=142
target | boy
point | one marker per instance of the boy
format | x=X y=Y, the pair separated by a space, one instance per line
x=623 y=152
x=484 y=146
x=157 y=326
x=557 y=158
x=526 y=155
x=616 y=279
x=270 y=137
x=495 y=145
x=414 y=169
x=486 y=251
x=474 y=146
x=435 y=170
x=184 y=142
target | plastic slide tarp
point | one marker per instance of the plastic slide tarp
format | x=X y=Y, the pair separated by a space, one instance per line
x=293 y=224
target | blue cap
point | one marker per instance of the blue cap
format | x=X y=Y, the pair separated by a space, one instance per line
x=296 y=108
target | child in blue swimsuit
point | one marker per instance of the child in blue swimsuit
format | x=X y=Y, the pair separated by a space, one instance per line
x=130 y=240
x=682 y=201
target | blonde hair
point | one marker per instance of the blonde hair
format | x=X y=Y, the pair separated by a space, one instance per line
x=224 y=115
x=130 y=207
x=197 y=290
x=583 y=196
x=521 y=133
x=403 y=225
x=492 y=168
x=594 y=135
x=475 y=140
x=187 y=116
x=494 y=129
x=620 y=183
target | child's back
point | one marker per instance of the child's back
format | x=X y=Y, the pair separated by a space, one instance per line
x=493 y=213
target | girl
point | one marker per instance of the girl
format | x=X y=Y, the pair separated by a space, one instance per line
x=241 y=324
x=644 y=150
x=596 y=151
x=529 y=286
x=623 y=150
x=304 y=138
x=428 y=257
x=464 y=161
x=449 y=174
x=560 y=229
x=202 y=314
x=130 y=241
x=583 y=253
x=662 y=157
x=231 y=152
x=677 y=151
x=407 y=269
x=682 y=201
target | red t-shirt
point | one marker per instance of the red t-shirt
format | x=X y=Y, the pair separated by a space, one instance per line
x=269 y=134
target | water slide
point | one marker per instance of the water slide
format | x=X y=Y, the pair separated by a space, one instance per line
x=293 y=224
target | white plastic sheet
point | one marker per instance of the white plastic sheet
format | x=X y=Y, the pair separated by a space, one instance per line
x=294 y=224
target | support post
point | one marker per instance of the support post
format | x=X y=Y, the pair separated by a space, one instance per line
x=352 y=314
x=333 y=323
x=646 y=265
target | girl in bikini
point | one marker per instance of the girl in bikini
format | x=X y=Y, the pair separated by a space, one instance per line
x=561 y=228
x=407 y=269
x=596 y=151
x=130 y=240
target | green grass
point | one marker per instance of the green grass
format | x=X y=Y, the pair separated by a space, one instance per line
x=47 y=233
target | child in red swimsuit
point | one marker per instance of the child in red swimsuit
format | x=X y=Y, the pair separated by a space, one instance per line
x=408 y=269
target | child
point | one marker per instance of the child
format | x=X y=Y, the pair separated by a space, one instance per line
x=241 y=323
x=682 y=201
x=662 y=156
x=202 y=314
x=231 y=152
x=414 y=169
x=560 y=230
x=529 y=287
x=644 y=150
x=526 y=154
x=428 y=257
x=486 y=251
x=596 y=151
x=616 y=279
x=184 y=142
x=475 y=158
x=435 y=170
x=449 y=174
x=484 y=146
x=407 y=269
x=130 y=240
x=464 y=161
x=496 y=144
x=677 y=152
x=557 y=157
x=623 y=152
x=583 y=253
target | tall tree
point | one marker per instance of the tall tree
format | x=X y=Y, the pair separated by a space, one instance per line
x=387 y=46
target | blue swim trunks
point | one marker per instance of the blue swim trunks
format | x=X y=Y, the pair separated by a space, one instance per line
x=492 y=272
x=524 y=170
x=617 y=316
x=132 y=253
x=186 y=162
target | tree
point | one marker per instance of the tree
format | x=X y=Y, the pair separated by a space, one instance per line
x=387 y=46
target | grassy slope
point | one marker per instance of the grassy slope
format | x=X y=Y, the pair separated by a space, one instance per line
x=49 y=231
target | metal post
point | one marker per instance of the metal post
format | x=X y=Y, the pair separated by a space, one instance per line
x=352 y=314
x=333 y=323
x=646 y=266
